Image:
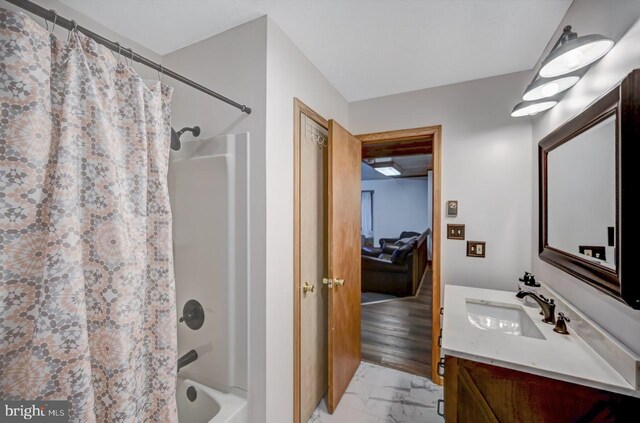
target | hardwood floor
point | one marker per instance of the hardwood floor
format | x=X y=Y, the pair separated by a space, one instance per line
x=397 y=333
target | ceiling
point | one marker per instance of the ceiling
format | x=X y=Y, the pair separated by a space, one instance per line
x=412 y=166
x=365 y=48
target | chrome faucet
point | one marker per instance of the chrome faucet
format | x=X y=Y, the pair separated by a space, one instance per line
x=547 y=305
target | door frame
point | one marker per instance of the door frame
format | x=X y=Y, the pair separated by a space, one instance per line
x=298 y=108
x=411 y=135
x=434 y=132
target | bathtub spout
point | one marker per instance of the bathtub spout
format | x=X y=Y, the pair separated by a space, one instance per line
x=188 y=358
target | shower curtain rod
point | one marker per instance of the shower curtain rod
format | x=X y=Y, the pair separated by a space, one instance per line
x=52 y=16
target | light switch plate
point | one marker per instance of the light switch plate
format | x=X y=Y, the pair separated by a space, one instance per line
x=476 y=249
x=455 y=231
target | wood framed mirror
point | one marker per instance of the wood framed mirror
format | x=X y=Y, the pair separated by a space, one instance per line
x=585 y=192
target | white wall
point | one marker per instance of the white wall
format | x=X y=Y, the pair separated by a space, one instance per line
x=486 y=164
x=234 y=64
x=289 y=74
x=618 y=19
x=398 y=205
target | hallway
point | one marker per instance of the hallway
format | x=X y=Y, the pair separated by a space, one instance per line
x=397 y=333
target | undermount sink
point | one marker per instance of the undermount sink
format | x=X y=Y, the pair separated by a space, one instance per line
x=500 y=317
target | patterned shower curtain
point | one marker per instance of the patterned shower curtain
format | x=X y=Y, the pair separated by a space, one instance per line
x=87 y=297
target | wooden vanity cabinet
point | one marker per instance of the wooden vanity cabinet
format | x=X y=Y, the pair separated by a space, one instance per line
x=477 y=392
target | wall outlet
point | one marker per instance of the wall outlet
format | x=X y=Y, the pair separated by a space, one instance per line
x=455 y=231
x=476 y=249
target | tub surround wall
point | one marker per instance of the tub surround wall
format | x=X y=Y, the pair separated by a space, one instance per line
x=208 y=191
x=619 y=20
x=486 y=164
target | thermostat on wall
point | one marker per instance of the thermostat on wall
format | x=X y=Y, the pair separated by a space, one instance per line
x=452 y=208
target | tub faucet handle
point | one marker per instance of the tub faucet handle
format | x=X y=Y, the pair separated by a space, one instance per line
x=192 y=315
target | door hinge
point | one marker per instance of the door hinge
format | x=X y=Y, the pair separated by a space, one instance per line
x=441 y=367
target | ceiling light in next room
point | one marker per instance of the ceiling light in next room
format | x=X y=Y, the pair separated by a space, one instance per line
x=529 y=108
x=388 y=168
x=572 y=53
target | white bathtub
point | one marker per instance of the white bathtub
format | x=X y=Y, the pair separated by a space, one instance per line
x=210 y=405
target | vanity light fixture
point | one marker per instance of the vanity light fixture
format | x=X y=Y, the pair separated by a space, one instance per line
x=529 y=108
x=567 y=62
x=548 y=87
x=388 y=168
x=572 y=53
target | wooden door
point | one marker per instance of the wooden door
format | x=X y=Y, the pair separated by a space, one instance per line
x=343 y=219
x=312 y=293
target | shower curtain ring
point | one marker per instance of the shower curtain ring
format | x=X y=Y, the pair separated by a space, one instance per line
x=72 y=30
x=160 y=73
x=55 y=19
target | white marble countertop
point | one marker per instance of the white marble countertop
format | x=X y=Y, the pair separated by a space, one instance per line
x=563 y=357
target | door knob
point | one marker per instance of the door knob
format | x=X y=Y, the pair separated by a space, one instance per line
x=307 y=287
x=339 y=282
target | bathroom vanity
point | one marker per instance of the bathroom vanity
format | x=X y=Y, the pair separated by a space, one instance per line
x=502 y=363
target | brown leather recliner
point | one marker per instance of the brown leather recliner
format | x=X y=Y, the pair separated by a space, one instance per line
x=391 y=272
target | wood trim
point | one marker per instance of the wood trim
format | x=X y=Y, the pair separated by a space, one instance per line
x=436 y=254
x=298 y=108
x=434 y=133
x=451 y=389
x=425 y=132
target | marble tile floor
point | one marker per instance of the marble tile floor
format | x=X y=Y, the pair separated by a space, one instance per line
x=378 y=394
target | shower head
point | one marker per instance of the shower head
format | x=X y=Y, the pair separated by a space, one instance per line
x=175 y=136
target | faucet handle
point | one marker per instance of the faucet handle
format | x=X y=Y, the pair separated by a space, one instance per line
x=561 y=325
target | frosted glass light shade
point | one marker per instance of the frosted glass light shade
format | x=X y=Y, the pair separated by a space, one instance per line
x=388 y=171
x=388 y=168
x=575 y=54
x=529 y=108
x=548 y=87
